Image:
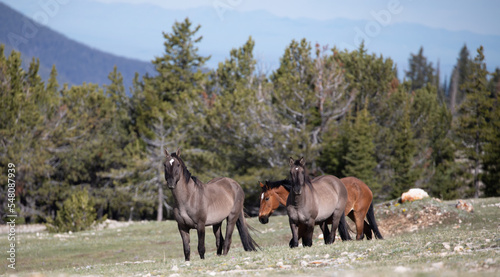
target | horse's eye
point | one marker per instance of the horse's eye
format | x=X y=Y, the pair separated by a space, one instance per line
x=267 y=198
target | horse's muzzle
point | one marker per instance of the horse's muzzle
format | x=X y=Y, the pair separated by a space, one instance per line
x=264 y=219
x=170 y=184
x=297 y=191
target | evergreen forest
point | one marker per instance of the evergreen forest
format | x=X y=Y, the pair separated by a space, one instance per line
x=346 y=112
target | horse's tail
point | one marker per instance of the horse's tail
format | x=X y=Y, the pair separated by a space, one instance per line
x=248 y=243
x=370 y=215
x=344 y=228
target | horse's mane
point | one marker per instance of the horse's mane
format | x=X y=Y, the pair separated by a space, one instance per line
x=275 y=184
x=187 y=174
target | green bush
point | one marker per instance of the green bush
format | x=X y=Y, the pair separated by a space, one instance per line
x=77 y=214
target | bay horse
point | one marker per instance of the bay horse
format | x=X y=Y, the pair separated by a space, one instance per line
x=358 y=206
x=318 y=202
x=198 y=205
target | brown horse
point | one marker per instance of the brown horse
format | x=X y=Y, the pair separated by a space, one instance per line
x=198 y=205
x=359 y=204
x=320 y=202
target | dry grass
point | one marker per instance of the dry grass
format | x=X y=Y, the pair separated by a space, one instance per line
x=456 y=243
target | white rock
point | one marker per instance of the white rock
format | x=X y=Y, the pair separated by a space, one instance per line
x=174 y=268
x=401 y=269
x=438 y=265
x=446 y=245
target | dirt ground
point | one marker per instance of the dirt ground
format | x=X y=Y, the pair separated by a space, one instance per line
x=394 y=218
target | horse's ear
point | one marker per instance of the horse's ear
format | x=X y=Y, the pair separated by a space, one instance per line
x=261 y=184
x=302 y=162
x=166 y=153
x=291 y=161
x=178 y=152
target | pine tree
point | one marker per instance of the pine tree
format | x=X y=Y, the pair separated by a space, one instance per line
x=360 y=156
x=472 y=127
x=308 y=97
x=232 y=115
x=168 y=110
x=293 y=97
x=460 y=74
x=420 y=73
x=463 y=67
x=369 y=76
x=180 y=68
x=22 y=130
x=491 y=176
x=77 y=214
x=445 y=179
x=403 y=151
x=335 y=148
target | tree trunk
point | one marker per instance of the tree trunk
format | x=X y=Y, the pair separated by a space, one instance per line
x=476 y=167
x=453 y=91
x=160 y=203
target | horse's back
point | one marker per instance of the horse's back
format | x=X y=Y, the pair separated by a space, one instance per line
x=329 y=183
x=224 y=183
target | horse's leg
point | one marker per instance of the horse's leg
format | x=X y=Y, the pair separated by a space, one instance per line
x=231 y=222
x=367 y=230
x=326 y=232
x=184 y=231
x=201 y=239
x=351 y=216
x=359 y=219
x=300 y=235
x=219 y=240
x=331 y=233
x=307 y=238
x=294 y=242
x=335 y=222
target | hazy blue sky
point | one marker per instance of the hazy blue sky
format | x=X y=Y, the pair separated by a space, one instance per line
x=393 y=28
x=481 y=16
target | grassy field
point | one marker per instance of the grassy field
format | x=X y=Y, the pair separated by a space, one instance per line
x=455 y=244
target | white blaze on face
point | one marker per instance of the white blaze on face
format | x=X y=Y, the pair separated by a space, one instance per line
x=262 y=196
x=171 y=161
x=297 y=168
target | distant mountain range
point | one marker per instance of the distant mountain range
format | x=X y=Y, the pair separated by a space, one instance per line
x=134 y=30
x=75 y=62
